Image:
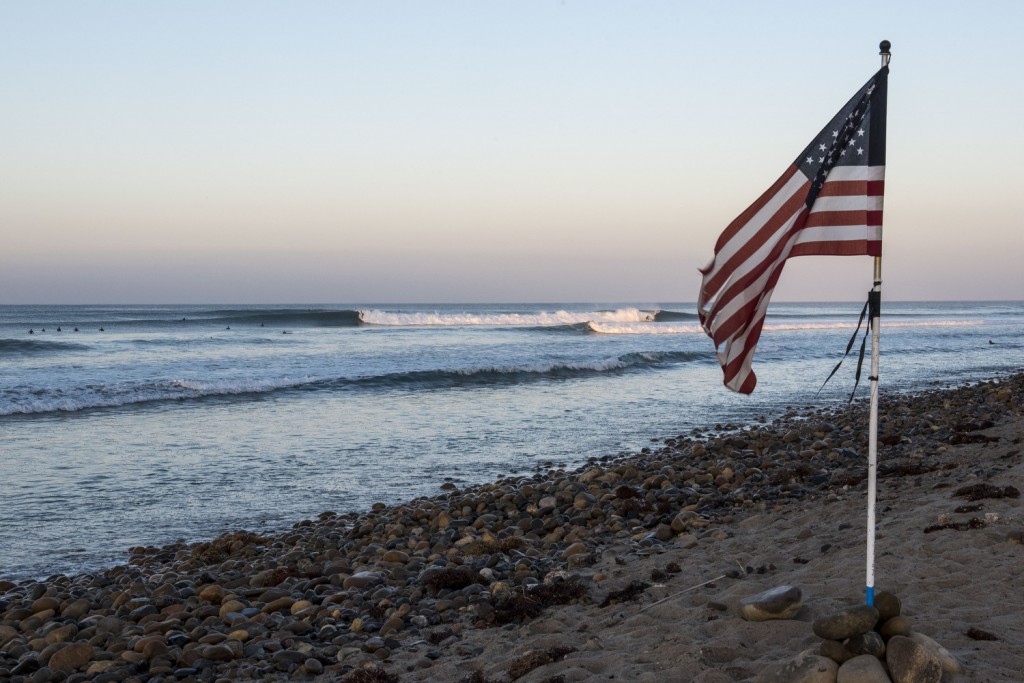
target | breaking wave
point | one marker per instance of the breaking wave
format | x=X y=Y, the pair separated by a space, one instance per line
x=539 y=319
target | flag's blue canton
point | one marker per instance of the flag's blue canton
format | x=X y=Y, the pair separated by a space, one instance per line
x=845 y=141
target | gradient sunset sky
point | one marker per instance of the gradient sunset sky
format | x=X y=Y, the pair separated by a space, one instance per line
x=586 y=150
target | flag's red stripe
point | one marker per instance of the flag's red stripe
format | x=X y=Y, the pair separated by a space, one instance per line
x=844 y=248
x=740 y=221
x=852 y=188
x=750 y=338
x=765 y=233
x=843 y=218
x=724 y=329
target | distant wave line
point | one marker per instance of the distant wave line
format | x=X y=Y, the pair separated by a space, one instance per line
x=32 y=346
x=542 y=318
x=24 y=402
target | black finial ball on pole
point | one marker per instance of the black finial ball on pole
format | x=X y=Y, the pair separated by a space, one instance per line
x=884 y=47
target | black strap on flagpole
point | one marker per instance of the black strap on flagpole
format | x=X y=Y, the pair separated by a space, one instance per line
x=868 y=307
x=860 y=360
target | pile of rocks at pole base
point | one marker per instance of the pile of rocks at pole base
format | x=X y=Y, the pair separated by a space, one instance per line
x=863 y=644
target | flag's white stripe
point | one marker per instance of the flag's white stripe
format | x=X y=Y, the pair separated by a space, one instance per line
x=758 y=257
x=757 y=221
x=748 y=294
x=857 y=173
x=746 y=368
x=848 y=203
x=751 y=293
x=839 y=233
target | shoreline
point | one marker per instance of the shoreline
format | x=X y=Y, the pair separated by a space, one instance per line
x=467 y=581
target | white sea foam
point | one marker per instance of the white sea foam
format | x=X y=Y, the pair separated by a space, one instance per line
x=232 y=387
x=543 y=318
x=644 y=328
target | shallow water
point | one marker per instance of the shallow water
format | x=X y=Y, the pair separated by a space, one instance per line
x=184 y=422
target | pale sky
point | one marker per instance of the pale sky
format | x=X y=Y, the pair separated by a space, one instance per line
x=484 y=151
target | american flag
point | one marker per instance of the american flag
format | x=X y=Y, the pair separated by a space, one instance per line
x=827 y=203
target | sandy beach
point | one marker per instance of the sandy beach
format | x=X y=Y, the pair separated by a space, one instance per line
x=629 y=568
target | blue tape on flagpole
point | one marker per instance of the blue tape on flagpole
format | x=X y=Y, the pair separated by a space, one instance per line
x=870 y=597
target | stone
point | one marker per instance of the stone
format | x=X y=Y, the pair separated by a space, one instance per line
x=76 y=609
x=574 y=549
x=583 y=500
x=280 y=605
x=212 y=593
x=806 y=667
x=946 y=660
x=835 y=651
x=396 y=556
x=229 y=607
x=392 y=625
x=101 y=667
x=45 y=603
x=156 y=647
x=362 y=580
x=896 y=626
x=911 y=662
x=109 y=624
x=71 y=657
x=686 y=541
x=7 y=632
x=888 y=605
x=62 y=634
x=869 y=643
x=217 y=653
x=862 y=669
x=781 y=602
x=300 y=606
x=846 y=623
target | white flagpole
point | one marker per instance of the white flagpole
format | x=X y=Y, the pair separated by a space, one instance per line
x=875 y=298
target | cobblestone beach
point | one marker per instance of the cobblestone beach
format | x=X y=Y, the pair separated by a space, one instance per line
x=627 y=568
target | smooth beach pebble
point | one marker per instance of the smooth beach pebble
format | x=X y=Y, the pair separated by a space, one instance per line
x=847 y=623
x=781 y=602
x=911 y=662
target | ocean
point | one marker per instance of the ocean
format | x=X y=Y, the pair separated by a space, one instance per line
x=123 y=426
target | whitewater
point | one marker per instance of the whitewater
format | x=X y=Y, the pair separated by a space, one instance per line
x=135 y=425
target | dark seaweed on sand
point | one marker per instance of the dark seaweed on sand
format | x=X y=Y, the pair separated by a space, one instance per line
x=631 y=592
x=503 y=545
x=982 y=491
x=530 y=602
x=455 y=578
x=229 y=545
x=974 y=523
x=535 y=659
x=371 y=675
x=439 y=635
